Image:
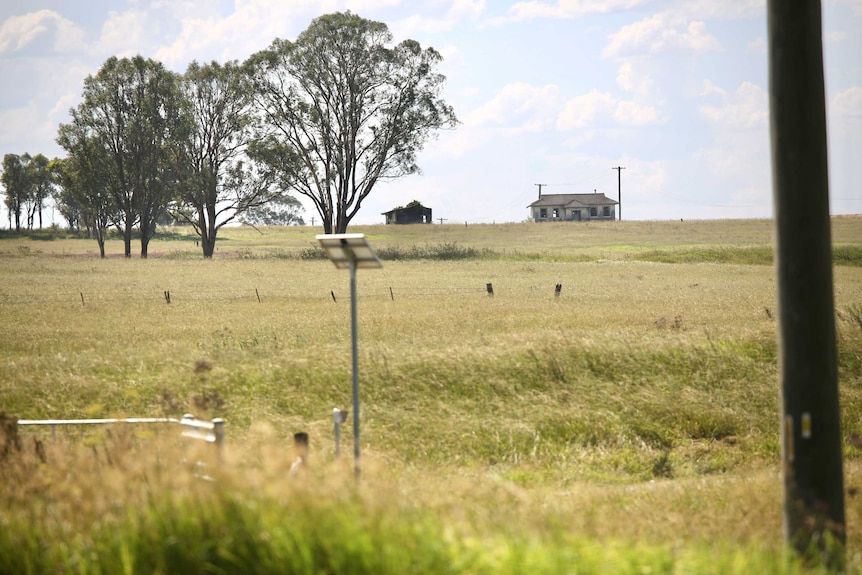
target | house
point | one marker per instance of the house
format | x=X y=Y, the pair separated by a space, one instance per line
x=573 y=207
x=412 y=213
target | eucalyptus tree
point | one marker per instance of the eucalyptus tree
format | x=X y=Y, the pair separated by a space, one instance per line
x=67 y=204
x=40 y=186
x=344 y=111
x=130 y=114
x=216 y=182
x=81 y=195
x=16 y=180
x=285 y=211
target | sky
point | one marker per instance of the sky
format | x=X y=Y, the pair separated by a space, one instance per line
x=551 y=92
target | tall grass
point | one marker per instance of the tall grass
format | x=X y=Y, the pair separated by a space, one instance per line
x=627 y=425
x=130 y=505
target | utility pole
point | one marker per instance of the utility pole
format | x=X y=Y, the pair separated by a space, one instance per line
x=619 y=170
x=812 y=457
x=540 y=189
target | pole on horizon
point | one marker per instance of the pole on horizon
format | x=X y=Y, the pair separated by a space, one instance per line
x=619 y=170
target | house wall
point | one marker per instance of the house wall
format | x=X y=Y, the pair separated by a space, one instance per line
x=570 y=214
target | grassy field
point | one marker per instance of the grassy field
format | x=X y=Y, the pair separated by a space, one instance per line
x=627 y=425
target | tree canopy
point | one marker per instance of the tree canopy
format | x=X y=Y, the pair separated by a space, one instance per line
x=343 y=111
x=217 y=183
x=327 y=116
x=129 y=115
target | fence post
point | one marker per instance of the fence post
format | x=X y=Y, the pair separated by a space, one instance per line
x=218 y=433
x=300 y=445
x=8 y=435
x=338 y=418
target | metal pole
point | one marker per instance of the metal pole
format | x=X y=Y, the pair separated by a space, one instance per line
x=353 y=337
x=810 y=422
x=336 y=418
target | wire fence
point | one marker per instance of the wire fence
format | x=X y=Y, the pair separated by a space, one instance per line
x=251 y=294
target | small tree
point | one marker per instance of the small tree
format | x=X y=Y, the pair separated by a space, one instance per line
x=343 y=111
x=16 y=180
x=82 y=198
x=40 y=185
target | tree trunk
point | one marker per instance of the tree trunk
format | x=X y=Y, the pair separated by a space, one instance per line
x=127 y=237
x=100 y=238
x=147 y=234
x=208 y=245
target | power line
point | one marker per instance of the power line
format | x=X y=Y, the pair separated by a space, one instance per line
x=586 y=180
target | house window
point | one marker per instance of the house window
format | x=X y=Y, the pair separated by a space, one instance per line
x=594 y=212
x=606 y=211
x=556 y=213
x=543 y=213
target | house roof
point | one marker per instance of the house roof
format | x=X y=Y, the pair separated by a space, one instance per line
x=574 y=200
x=412 y=208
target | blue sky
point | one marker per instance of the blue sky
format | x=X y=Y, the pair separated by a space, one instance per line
x=553 y=92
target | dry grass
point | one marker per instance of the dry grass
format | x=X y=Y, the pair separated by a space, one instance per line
x=638 y=406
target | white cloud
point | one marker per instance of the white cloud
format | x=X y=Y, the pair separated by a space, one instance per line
x=855 y=5
x=629 y=80
x=629 y=113
x=847 y=104
x=26 y=129
x=594 y=107
x=725 y=10
x=758 y=46
x=125 y=33
x=747 y=108
x=460 y=11
x=660 y=33
x=519 y=107
x=582 y=111
x=565 y=9
x=18 y=32
x=834 y=37
x=466 y=9
x=738 y=156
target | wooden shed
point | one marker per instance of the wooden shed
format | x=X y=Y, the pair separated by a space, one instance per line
x=412 y=213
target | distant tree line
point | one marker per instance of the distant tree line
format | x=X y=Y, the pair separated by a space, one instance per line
x=327 y=116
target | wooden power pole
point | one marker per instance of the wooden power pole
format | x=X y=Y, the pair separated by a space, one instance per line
x=810 y=430
x=619 y=170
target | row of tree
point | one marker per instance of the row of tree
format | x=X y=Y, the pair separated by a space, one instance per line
x=29 y=182
x=327 y=116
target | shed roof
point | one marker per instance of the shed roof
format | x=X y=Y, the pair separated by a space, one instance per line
x=574 y=200
x=412 y=207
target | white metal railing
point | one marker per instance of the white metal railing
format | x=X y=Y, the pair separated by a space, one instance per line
x=211 y=431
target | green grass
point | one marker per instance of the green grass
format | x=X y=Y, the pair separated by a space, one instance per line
x=628 y=425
